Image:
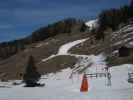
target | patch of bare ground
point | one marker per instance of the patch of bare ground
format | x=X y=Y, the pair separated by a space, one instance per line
x=57 y=63
x=116 y=60
x=12 y=67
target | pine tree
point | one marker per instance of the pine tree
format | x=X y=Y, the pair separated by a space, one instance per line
x=131 y=4
x=83 y=27
x=131 y=8
x=31 y=75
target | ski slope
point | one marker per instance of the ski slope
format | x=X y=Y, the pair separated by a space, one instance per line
x=63 y=50
x=59 y=86
x=63 y=88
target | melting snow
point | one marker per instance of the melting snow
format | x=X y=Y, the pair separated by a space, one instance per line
x=63 y=50
x=92 y=24
x=66 y=47
x=59 y=86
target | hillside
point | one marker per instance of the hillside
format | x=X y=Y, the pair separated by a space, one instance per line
x=12 y=67
x=69 y=26
x=75 y=59
x=112 y=30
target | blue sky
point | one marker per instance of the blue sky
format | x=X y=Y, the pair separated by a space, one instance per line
x=19 y=18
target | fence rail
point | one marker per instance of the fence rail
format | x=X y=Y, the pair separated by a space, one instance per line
x=97 y=75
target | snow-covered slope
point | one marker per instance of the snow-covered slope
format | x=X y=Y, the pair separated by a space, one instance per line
x=60 y=87
x=92 y=24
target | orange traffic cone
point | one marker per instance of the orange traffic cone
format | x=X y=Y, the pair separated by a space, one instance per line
x=84 y=85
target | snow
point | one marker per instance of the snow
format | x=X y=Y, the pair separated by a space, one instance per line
x=125 y=29
x=63 y=50
x=123 y=35
x=60 y=86
x=5 y=84
x=123 y=41
x=130 y=44
x=39 y=45
x=50 y=57
x=92 y=24
x=63 y=74
x=66 y=47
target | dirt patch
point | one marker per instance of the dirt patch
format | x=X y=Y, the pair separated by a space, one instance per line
x=115 y=60
x=56 y=64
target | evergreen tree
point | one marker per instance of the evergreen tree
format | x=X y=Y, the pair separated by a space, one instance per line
x=31 y=75
x=83 y=28
x=131 y=8
x=112 y=18
x=131 y=4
